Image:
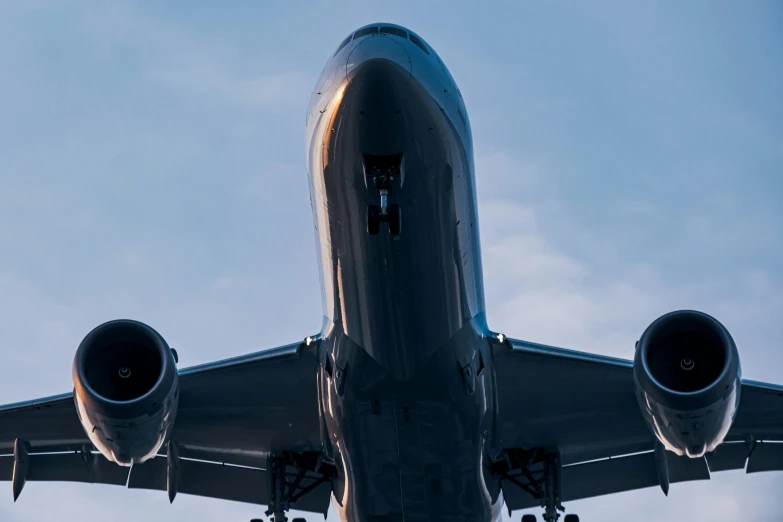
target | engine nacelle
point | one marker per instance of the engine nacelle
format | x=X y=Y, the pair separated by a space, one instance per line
x=126 y=389
x=687 y=376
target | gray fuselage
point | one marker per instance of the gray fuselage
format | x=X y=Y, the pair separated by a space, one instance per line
x=406 y=387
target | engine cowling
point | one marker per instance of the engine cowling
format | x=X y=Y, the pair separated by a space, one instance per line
x=126 y=389
x=687 y=376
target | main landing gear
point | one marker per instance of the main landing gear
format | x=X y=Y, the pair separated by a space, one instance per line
x=538 y=473
x=380 y=171
x=292 y=476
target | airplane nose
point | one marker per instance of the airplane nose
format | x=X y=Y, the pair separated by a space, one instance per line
x=378 y=48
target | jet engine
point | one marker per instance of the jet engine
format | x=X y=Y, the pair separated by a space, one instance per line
x=126 y=389
x=687 y=376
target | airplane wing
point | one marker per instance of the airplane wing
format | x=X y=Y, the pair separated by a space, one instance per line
x=232 y=414
x=583 y=406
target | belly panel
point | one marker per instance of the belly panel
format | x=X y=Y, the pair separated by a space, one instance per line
x=412 y=450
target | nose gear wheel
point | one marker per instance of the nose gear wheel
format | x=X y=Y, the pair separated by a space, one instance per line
x=375 y=217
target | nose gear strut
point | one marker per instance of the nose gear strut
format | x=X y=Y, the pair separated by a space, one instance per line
x=380 y=171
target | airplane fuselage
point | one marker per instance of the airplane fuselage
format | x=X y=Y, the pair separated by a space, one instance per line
x=406 y=391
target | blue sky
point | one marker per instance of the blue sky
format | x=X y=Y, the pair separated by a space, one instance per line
x=629 y=161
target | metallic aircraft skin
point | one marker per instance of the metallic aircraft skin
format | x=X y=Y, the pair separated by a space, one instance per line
x=407 y=396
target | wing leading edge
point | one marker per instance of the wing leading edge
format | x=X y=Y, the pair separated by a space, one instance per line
x=583 y=407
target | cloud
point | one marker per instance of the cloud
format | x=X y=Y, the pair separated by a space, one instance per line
x=255 y=91
x=174 y=58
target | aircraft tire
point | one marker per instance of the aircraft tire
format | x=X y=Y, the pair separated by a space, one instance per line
x=395 y=220
x=373 y=219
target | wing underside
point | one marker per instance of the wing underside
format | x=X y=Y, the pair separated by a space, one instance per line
x=583 y=407
x=232 y=415
x=235 y=413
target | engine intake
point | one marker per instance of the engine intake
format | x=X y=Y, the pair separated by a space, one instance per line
x=687 y=376
x=126 y=389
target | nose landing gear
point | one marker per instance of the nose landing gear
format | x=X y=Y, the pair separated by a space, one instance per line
x=380 y=171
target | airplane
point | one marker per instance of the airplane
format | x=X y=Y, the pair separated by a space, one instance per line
x=406 y=405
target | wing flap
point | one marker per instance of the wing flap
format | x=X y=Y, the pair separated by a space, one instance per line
x=728 y=456
x=608 y=476
x=231 y=456
x=210 y=479
x=204 y=479
x=76 y=467
x=685 y=469
x=90 y=468
x=766 y=457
